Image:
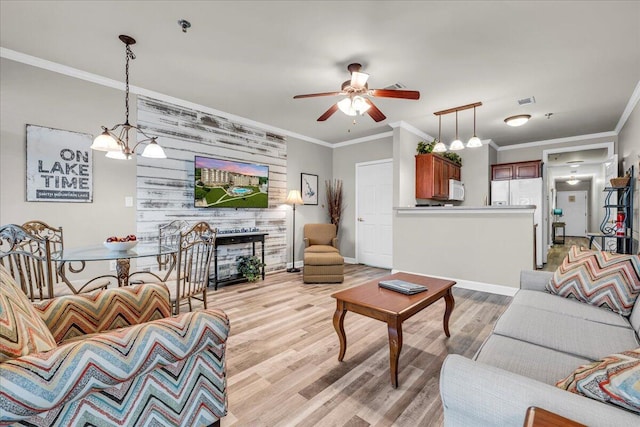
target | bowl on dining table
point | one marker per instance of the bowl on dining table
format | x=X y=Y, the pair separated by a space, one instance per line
x=120 y=246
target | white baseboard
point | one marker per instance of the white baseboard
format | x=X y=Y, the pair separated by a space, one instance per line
x=348 y=260
x=471 y=285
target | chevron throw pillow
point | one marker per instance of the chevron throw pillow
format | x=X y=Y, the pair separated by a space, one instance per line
x=602 y=279
x=22 y=330
x=613 y=379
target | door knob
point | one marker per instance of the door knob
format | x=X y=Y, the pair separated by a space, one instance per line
x=360 y=219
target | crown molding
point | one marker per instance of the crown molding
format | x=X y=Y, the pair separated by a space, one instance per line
x=491 y=143
x=633 y=101
x=558 y=141
x=114 y=84
x=363 y=139
x=410 y=128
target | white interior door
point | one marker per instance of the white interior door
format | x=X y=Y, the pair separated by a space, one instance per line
x=374 y=200
x=574 y=212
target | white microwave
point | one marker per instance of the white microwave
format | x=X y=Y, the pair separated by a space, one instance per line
x=456 y=190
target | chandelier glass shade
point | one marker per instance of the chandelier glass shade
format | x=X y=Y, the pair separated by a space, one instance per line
x=474 y=141
x=456 y=145
x=115 y=140
x=439 y=147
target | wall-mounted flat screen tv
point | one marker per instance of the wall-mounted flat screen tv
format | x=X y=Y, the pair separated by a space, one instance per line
x=228 y=184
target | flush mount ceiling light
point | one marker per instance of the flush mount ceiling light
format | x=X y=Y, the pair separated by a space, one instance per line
x=518 y=120
x=457 y=145
x=573 y=181
x=117 y=146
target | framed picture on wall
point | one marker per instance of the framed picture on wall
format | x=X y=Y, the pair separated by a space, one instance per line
x=309 y=188
x=59 y=165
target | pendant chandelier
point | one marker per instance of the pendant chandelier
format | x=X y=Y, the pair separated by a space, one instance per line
x=115 y=141
x=457 y=144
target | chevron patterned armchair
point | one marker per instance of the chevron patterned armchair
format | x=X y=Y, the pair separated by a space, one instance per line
x=111 y=357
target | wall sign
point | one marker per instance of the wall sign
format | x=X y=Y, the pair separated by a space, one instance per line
x=59 y=165
x=309 y=188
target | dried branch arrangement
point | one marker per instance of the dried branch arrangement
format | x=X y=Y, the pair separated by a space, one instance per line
x=335 y=201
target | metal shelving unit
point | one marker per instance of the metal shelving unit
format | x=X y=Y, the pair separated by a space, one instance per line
x=618 y=199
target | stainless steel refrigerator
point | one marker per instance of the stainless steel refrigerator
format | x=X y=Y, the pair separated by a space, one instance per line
x=522 y=192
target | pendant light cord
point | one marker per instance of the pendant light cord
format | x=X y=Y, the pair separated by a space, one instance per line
x=456 y=125
x=129 y=55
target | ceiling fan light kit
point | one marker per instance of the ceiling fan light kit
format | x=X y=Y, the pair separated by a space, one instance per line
x=457 y=144
x=518 y=120
x=357 y=93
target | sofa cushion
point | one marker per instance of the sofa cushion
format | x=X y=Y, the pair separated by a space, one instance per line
x=527 y=359
x=564 y=332
x=599 y=278
x=569 y=307
x=22 y=331
x=613 y=379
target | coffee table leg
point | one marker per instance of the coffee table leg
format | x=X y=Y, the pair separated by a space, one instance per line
x=448 y=298
x=395 y=347
x=338 y=324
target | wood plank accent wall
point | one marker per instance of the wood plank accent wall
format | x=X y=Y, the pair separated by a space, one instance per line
x=165 y=186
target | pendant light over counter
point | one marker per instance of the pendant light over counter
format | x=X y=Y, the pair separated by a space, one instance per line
x=457 y=144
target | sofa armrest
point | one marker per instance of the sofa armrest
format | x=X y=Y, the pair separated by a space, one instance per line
x=334 y=242
x=71 y=316
x=533 y=280
x=476 y=394
x=40 y=382
x=306 y=242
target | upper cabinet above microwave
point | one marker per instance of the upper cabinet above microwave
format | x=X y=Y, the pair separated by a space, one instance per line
x=433 y=173
x=518 y=170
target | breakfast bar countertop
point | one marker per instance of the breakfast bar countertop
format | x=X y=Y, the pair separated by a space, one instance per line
x=465 y=209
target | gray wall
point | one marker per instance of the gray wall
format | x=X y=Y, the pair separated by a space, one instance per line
x=476 y=175
x=310 y=158
x=344 y=168
x=34 y=96
x=629 y=154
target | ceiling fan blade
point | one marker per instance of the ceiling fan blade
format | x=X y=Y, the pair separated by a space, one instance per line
x=311 y=95
x=328 y=113
x=374 y=112
x=393 y=93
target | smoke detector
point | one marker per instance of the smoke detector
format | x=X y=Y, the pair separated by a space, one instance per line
x=527 y=101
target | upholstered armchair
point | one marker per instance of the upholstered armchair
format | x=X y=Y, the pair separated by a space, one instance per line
x=109 y=357
x=320 y=238
x=322 y=260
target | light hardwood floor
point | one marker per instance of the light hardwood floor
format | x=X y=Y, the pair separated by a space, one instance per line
x=282 y=366
x=558 y=252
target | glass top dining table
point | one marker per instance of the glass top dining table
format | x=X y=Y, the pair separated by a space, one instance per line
x=84 y=254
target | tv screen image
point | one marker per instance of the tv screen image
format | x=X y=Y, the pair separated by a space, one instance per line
x=229 y=184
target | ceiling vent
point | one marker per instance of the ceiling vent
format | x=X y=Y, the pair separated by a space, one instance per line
x=527 y=101
x=396 y=86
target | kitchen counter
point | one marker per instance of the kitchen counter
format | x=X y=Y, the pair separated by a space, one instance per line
x=474 y=245
x=465 y=209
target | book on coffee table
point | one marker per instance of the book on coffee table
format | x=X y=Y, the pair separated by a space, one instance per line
x=402 y=286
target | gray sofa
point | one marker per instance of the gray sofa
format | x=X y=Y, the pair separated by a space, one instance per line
x=540 y=339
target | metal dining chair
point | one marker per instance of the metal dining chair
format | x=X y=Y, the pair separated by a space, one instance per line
x=194 y=257
x=168 y=236
x=28 y=259
x=55 y=239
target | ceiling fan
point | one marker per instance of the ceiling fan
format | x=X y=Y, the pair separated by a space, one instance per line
x=357 y=92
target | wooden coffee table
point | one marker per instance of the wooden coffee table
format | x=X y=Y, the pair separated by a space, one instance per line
x=391 y=307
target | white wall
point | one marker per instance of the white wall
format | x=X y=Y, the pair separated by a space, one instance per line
x=404 y=167
x=476 y=175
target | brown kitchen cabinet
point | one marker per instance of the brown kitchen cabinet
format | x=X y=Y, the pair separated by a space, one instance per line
x=517 y=170
x=433 y=173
